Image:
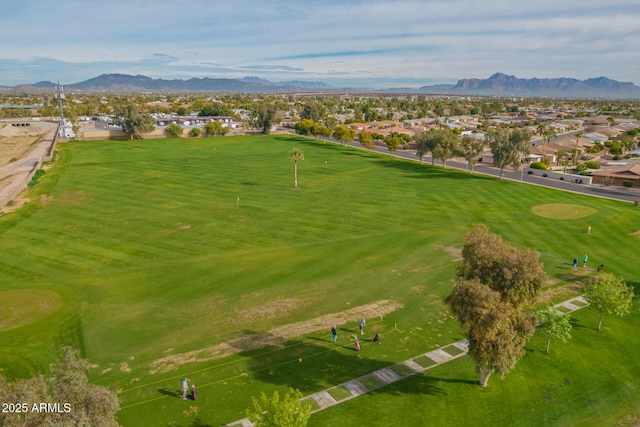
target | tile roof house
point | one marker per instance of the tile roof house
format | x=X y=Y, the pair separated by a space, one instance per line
x=619 y=174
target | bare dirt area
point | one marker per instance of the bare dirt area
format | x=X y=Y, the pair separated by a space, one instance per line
x=17 y=141
x=274 y=337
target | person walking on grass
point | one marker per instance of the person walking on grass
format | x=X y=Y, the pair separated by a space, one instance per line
x=194 y=393
x=584 y=260
x=334 y=334
x=185 y=387
x=575 y=264
x=363 y=323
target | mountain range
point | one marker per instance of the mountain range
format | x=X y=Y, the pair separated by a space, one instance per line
x=496 y=85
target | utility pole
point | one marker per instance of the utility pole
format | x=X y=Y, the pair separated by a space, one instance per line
x=63 y=133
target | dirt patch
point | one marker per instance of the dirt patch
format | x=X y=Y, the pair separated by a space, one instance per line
x=17 y=141
x=15 y=204
x=76 y=198
x=549 y=294
x=45 y=200
x=456 y=253
x=275 y=337
x=124 y=367
x=637 y=233
x=270 y=309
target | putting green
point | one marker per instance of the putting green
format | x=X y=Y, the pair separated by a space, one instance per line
x=22 y=307
x=563 y=211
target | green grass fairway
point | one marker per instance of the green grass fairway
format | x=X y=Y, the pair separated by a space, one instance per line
x=21 y=307
x=172 y=258
x=590 y=381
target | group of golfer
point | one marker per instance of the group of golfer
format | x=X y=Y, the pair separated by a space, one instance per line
x=193 y=395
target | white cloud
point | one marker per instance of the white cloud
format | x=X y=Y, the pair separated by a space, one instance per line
x=386 y=40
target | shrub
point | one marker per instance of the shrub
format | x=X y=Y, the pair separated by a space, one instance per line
x=36 y=177
x=627 y=183
x=195 y=132
x=539 y=165
x=595 y=148
x=173 y=131
x=592 y=165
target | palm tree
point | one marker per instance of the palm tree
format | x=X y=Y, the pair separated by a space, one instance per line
x=575 y=152
x=560 y=154
x=547 y=134
x=296 y=155
x=578 y=136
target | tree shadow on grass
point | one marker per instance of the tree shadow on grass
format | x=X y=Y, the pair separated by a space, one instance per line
x=313 y=364
x=577 y=324
x=198 y=422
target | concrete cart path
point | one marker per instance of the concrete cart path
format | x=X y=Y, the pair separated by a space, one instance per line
x=380 y=378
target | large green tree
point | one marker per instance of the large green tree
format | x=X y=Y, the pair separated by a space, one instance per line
x=305 y=127
x=609 y=295
x=469 y=148
x=508 y=147
x=498 y=331
x=274 y=411
x=366 y=140
x=516 y=274
x=495 y=281
x=314 y=111
x=66 y=384
x=393 y=142
x=446 y=145
x=425 y=143
x=134 y=123
x=554 y=325
x=215 y=109
x=264 y=116
x=344 y=134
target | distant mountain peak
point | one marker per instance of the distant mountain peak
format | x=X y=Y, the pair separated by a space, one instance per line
x=498 y=84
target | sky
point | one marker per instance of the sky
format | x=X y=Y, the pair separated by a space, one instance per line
x=345 y=43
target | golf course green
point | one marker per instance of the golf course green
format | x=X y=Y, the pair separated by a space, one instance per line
x=171 y=258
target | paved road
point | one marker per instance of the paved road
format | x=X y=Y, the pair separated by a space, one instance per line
x=596 y=190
